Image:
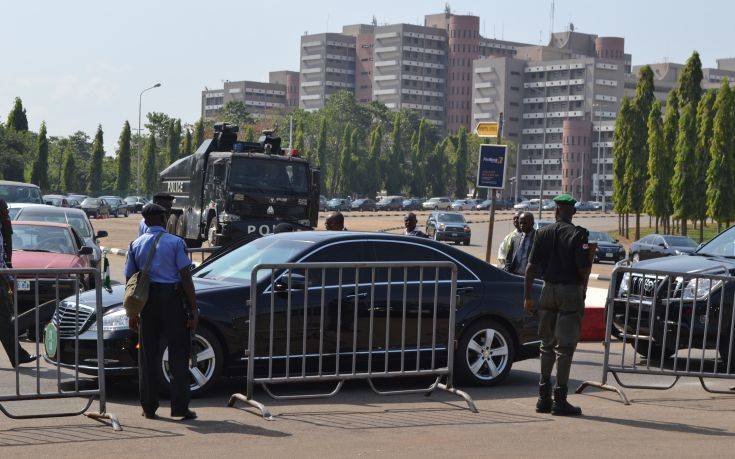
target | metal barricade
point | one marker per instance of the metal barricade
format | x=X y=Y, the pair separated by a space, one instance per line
x=332 y=322
x=204 y=253
x=682 y=324
x=42 y=293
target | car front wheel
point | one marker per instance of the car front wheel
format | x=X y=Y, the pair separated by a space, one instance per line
x=485 y=354
x=208 y=369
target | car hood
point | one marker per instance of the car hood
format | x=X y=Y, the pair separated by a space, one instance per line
x=42 y=260
x=114 y=297
x=688 y=264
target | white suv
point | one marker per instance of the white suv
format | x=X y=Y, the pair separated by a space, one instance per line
x=437 y=204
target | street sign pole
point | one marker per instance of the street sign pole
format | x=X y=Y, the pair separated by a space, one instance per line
x=493 y=196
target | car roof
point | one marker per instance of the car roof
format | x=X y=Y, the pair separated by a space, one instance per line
x=49 y=209
x=10 y=182
x=32 y=223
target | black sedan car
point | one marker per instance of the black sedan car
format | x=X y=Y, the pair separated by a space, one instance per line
x=448 y=226
x=608 y=249
x=696 y=302
x=135 y=203
x=118 y=206
x=661 y=245
x=411 y=204
x=96 y=207
x=363 y=205
x=492 y=330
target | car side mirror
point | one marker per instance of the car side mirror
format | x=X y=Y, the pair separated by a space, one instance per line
x=101 y=233
x=663 y=245
x=298 y=283
x=86 y=250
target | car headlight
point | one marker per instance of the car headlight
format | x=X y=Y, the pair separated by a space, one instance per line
x=699 y=289
x=624 y=284
x=114 y=319
x=225 y=217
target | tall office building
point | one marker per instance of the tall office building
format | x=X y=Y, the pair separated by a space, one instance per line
x=560 y=101
x=260 y=98
x=290 y=80
x=364 y=43
x=327 y=66
x=666 y=77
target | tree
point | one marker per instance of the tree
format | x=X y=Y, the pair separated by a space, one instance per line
x=186 y=148
x=150 y=174
x=298 y=139
x=705 y=122
x=343 y=176
x=670 y=131
x=720 y=181
x=436 y=169
x=419 y=156
x=684 y=184
x=122 y=184
x=460 y=180
x=250 y=133
x=395 y=159
x=158 y=123
x=198 y=133
x=69 y=182
x=321 y=152
x=174 y=138
x=690 y=81
x=622 y=146
x=17 y=118
x=374 y=170
x=658 y=188
x=40 y=165
x=94 y=185
x=644 y=92
x=234 y=112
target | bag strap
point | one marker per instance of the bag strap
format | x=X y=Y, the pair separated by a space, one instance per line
x=153 y=253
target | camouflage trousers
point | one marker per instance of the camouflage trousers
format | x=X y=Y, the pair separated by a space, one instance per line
x=561 y=308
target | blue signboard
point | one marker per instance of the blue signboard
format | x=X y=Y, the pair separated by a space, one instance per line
x=491 y=166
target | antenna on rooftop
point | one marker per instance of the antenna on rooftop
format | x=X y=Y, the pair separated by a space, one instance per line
x=551 y=19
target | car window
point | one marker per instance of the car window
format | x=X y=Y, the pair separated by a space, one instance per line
x=346 y=251
x=43 y=239
x=410 y=251
x=21 y=193
x=76 y=220
x=451 y=218
x=680 y=241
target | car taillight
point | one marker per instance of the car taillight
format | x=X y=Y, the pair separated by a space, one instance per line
x=294 y=152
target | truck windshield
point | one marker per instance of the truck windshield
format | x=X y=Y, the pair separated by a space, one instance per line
x=273 y=176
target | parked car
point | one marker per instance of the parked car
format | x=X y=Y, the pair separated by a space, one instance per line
x=322 y=204
x=586 y=206
x=500 y=204
x=42 y=245
x=463 y=204
x=490 y=320
x=78 y=197
x=74 y=203
x=117 y=205
x=338 y=204
x=448 y=226
x=688 y=300
x=76 y=218
x=55 y=200
x=136 y=203
x=96 y=207
x=608 y=249
x=437 y=204
x=538 y=224
x=547 y=204
x=529 y=204
x=661 y=245
x=20 y=192
x=390 y=203
x=411 y=204
x=363 y=204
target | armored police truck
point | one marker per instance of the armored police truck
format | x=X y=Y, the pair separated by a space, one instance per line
x=228 y=189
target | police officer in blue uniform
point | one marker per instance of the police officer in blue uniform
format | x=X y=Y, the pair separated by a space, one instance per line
x=165 y=314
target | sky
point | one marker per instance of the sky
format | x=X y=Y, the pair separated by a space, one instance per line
x=77 y=64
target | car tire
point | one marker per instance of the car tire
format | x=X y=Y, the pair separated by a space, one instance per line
x=478 y=363
x=641 y=348
x=209 y=366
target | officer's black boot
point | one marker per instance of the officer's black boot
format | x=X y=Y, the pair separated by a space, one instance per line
x=561 y=407
x=543 y=405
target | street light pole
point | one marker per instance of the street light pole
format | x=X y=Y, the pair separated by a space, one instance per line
x=140 y=112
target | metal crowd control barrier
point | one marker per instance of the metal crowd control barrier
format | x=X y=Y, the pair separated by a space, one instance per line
x=204 y=252
x=43 y=290
x=332 y=322
x=682 y=324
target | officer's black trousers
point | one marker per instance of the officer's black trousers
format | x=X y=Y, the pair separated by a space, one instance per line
x=162 y=323
x=7 y=329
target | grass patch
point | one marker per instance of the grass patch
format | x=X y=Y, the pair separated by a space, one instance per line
x=710 y=231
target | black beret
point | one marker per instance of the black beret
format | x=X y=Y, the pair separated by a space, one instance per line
x=151 y=209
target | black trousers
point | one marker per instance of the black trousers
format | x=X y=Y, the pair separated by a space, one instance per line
x=7 y=329
x=162 y=318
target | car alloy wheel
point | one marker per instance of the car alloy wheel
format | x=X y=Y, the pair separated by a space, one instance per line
x=485 y=354
x=209 y=362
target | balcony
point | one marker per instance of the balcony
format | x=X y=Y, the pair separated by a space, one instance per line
x=386 y=49
x=386 y=63
x=484 y=100
x=311 y=57
x=481 y=70
x=484 y=85
x=311 y=97
x=309 y=84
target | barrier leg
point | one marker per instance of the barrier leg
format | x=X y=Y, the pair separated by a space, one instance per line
x=253 y=403
x=334 y=392
x=470 y=403
x=716 y=391
x=436 y=385
x=636 y=386
x=101 y=417
x=603 y=386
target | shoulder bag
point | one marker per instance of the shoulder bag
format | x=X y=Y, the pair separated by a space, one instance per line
x=136 y=290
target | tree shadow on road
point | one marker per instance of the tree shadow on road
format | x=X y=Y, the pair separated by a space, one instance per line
x=662 y=426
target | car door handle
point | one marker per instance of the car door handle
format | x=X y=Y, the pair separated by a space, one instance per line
x=358 y=295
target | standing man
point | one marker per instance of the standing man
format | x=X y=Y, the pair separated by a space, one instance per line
x=520 y=245
x=410 y=222
x=503 y=249
x=165 y=314
x=560 y=251
x=7 y=329
x=164 y=200
x=335 y=222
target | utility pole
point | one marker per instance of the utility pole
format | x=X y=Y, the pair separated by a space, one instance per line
x=140 y=111
x=493 y=195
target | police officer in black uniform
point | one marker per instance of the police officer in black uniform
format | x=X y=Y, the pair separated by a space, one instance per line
x=165 y=314
x=561 y=252
x=409 y=220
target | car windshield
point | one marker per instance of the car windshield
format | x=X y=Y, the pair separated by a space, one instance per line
x=131 y=200
x=723 y=245
x=451 y=218
x=53 y=201
x=20 y=193
x=238 y=264
x=76 y=220
x=272 y=176
x=91 y=202
x=600 y=236
x=679 y=241
x=42 y=239
x=334 y=201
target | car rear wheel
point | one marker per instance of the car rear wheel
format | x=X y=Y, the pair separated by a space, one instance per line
x=208 y=369
x=485 y=354
x=657 y=351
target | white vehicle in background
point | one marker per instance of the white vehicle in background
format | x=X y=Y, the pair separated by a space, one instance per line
x=463 y=204
x=437 y=204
